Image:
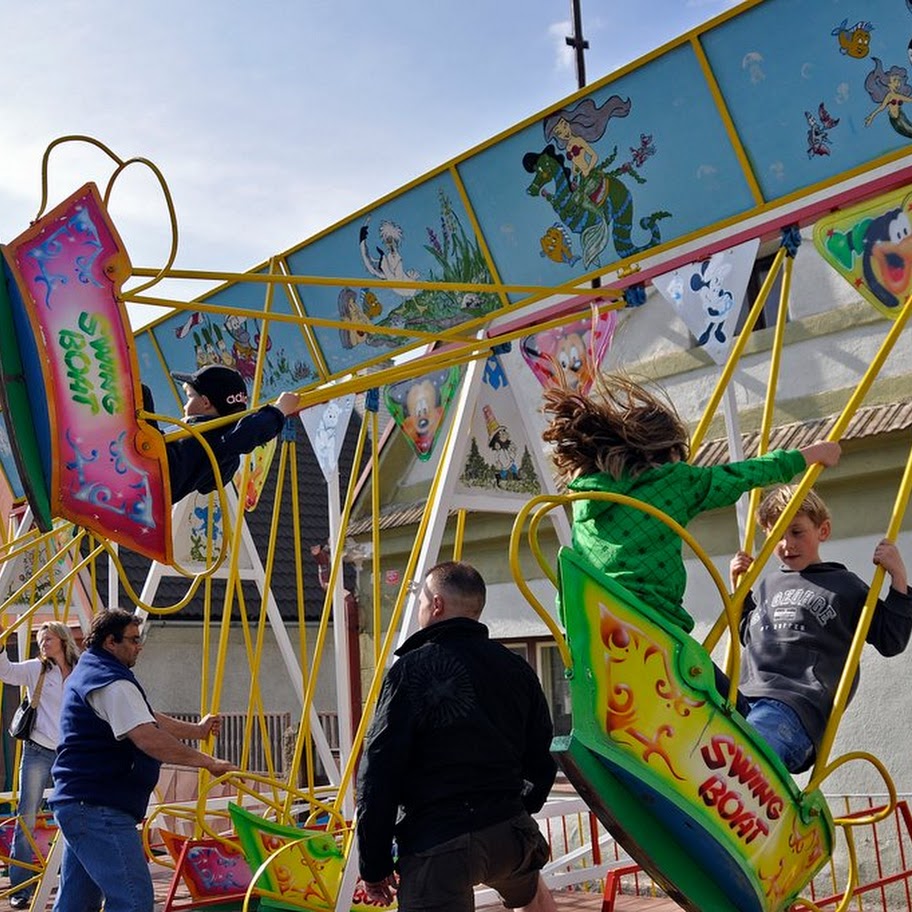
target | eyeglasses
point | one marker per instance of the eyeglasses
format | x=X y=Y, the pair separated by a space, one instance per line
x=135 y=640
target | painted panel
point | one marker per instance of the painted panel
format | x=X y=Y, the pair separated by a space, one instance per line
x=307 y=875
x=24 y=405
x=870 y=246
x=212 y=868
x=419 y=405
x=499 y=460
x=570 y=355
x=801 y=80
x=190 y=339
x=643 y=699
x=422 y=236
x=664 y=167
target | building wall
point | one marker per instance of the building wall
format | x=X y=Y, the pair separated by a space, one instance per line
x=171 y=662
x=830 y=341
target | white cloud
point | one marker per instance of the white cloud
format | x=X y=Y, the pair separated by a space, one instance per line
x=564 y=55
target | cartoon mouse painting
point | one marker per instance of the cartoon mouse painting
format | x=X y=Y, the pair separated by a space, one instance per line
x=717 y=300
x=418 y=405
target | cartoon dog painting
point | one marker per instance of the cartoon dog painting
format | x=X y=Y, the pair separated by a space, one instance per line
x=871 y=246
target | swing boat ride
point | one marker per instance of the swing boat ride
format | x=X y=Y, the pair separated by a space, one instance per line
x=662 y=759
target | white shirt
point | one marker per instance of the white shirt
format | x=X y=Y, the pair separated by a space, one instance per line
x=121 y=705
x=25 y=674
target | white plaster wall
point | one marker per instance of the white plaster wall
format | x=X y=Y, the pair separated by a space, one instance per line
x=878 y=719
x=170 y=664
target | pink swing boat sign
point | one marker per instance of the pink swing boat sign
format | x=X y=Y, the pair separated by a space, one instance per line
x=107 y=470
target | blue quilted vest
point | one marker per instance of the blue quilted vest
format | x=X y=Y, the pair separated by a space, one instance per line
x=92 y=765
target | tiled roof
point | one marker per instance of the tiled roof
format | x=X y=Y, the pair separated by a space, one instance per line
x=314 y=518
x=869 y=421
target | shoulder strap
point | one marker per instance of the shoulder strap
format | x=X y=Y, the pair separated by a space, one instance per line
x=37 y=695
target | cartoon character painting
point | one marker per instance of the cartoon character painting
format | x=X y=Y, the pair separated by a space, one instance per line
x=818 y=137
x=326 y=425
x=573 y=129
x=890 y=90
x=502 y=449
x=873 y=250
x=350 y=311
x=325 y=438
x=205 y=533
x=855 y=40
x=586 y=193
x=388 y=264
x=709 y=283
x=557 y=246
x=243 y=347
x=419 y=404
x=184 y=329
x=452 y=255
x=570 y=355
x=235 y=341
x=646 y=149
x=707 y=295
x=260 y=463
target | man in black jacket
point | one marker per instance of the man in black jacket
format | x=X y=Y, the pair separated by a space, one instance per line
x=459 y=751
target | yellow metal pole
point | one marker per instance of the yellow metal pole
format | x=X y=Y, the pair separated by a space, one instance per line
x=844 y=690
x=812 y=472
x=733 y=647
x=735 y=355
x=377 y=589
x=772 y=386
x=460 y=534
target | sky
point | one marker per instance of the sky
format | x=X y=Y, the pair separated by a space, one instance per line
x=271 y=121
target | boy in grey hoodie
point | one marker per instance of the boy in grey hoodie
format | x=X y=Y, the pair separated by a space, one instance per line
x=797 y=628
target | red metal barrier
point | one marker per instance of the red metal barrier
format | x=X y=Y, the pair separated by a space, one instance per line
x=889 y=842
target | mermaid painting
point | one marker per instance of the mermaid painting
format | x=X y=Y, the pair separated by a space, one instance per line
x=890 y=89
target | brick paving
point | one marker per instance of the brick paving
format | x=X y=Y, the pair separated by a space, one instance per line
x=565 y=900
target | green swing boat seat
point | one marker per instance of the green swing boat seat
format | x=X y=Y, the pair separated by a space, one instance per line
x=676 y=775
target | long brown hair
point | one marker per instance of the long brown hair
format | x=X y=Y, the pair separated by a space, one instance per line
x=620 y=428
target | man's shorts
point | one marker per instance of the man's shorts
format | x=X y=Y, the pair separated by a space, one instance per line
x=506 y=856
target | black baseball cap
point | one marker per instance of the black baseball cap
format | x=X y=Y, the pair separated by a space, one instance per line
x=223 y=386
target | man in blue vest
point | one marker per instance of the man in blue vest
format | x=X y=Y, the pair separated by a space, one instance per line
x=112 y=744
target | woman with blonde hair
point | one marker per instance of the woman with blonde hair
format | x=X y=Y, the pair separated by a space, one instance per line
x=57 y=654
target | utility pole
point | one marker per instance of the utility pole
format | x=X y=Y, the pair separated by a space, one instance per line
x=580 y=46
x=578 y=43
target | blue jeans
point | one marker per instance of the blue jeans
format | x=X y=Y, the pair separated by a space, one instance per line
x=34 y=778
x=102 y=856
x=782 y=730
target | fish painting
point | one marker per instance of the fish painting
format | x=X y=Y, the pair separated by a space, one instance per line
x=556 y=245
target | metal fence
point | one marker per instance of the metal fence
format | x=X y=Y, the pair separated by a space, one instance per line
x=884 y=857
x=266 y=741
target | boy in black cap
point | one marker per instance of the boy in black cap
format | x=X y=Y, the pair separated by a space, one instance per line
x=214 y=391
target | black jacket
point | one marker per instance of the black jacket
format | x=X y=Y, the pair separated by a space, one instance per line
x=461 y=740
x=188 y=463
